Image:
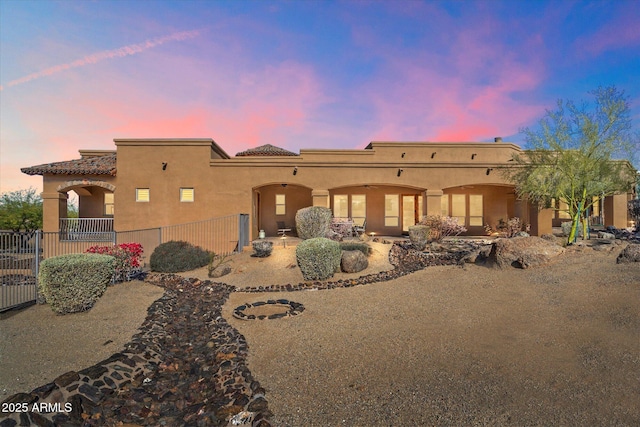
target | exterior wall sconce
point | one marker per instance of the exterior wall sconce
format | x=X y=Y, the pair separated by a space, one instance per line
x=489 y=170
x=400 y=171
x=433 y=154
x=473 y=156
x=164 y=166
x=403 y=155
x=295 y=170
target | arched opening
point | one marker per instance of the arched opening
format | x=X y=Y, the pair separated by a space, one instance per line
x=277 y=203
x=95 y=209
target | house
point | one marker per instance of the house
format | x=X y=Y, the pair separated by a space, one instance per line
x=148 y=183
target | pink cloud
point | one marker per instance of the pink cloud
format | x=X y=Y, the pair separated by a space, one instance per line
x=263 y=106
x=469 y=92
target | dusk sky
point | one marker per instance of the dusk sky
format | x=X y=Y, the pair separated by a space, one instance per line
x=297 y=74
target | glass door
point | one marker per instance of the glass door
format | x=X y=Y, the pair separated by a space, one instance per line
x=411 y=210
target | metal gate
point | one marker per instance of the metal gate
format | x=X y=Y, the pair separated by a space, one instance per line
x=20 y=255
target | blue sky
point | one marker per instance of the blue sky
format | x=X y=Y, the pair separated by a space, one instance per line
x=297 y=74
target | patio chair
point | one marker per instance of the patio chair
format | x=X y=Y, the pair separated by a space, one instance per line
x=282 y=228
x=359 y=229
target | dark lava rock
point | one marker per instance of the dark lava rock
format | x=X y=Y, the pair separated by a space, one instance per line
x=629 y=254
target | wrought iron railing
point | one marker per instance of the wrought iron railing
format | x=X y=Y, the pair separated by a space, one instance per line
x=87 y=229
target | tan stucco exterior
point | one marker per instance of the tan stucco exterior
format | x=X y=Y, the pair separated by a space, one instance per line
x=420 y=173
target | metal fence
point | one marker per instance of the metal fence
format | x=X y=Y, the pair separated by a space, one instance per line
x=21 y=253
x=91 y=229
x=20 y=256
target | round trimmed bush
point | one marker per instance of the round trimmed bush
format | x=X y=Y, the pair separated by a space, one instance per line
x=313 y=221
x=318 y=258
x=176 y=256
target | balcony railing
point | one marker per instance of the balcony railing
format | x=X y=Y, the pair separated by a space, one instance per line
x=87 y=229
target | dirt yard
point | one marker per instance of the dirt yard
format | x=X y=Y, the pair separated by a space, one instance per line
x=558 y=345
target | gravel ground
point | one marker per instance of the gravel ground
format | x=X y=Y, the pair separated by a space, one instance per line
x=557 y=345
x=37 y=345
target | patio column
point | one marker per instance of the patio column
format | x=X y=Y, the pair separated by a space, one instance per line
x=615 y=210
x=54 y=207
x=320 y=198
x=541 y=220
x=520 y=210
x=434 y=201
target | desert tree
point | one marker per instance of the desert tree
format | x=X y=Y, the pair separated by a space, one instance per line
x=21 y=211
x=577 y=153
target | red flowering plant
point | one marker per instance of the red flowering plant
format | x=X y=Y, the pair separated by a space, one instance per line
x=128 y=259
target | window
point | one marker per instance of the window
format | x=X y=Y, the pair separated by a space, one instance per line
x=444 y=204
x=142 y=194
x=358 y=208
x=108 y=204
x=475 y=210
x=280 y=204
x=187 y=195
x=391 y=210
x=459 y=207
x=340 y=206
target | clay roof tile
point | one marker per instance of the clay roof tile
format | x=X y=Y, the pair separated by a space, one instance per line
x=265 y=150
x=98 y=165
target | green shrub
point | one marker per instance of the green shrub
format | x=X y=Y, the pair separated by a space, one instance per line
x=356 y=246
x=176 y=256
x=72 y=283
x=313 y=221
x=318 y=258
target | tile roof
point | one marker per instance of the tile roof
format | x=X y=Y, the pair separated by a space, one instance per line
x=98 y=165
x=265 y=150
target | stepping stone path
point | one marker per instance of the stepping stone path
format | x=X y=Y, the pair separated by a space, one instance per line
x=186 y=366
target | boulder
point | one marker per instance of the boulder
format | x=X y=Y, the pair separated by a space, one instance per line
x=220 y=271
x=629 y=254
x=605 y=235
x=353 y=261
x=523 y=252
x=419 y=235
x=261 y=248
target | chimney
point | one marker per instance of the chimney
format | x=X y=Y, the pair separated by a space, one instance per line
x=497 y=139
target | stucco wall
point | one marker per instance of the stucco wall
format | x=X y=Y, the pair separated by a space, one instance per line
x=226 y=186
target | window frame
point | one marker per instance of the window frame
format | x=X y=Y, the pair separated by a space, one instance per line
x=471 y=217
x=141 y=191
x=388 y=219
x=185 y=191
x=341 y=200
x=106 y=204
x=282 y=206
